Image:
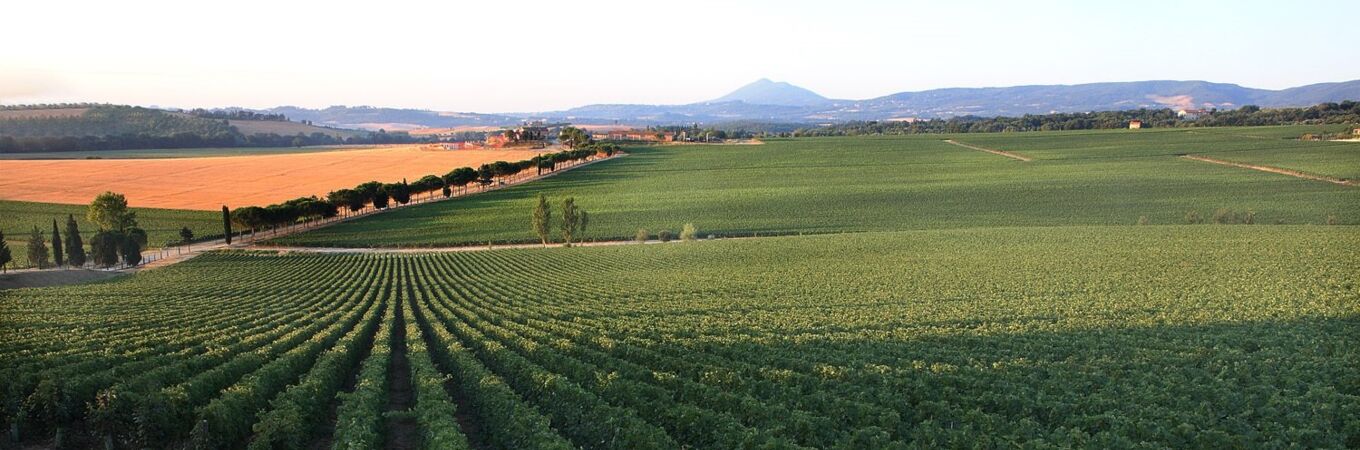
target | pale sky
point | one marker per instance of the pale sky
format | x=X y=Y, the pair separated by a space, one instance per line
x=503 y=56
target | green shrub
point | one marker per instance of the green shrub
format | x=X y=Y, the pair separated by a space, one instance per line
x=641 y=235
x=688 y=232
x=1193 y=217
x=1142 y=220
x=1249 y=217
x=664 y=236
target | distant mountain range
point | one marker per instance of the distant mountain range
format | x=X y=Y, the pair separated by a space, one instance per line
x=770 y=101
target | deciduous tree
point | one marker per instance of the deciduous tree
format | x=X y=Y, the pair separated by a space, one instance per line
x=543 y=219
x=571 y=220
x=109 y=211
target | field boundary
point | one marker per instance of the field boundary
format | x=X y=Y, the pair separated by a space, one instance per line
x=1274 y=170
x=1007 y=154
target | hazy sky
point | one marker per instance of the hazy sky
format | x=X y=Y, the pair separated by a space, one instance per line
x=500 y=56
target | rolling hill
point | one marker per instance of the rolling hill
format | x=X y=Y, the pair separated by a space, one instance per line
x=780 y=102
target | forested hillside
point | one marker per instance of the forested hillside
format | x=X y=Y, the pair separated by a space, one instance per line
x=56 y=128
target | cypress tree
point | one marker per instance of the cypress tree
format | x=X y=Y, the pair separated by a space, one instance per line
x=37 y=249
x=226 y=223
x=75 y=249
x=5 y=256
x=56 y=245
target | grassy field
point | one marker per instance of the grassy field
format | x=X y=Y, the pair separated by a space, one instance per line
x=1106 y=336
x=1272 y=146
x=893 y=183
x=160 y=153
x=17 y=220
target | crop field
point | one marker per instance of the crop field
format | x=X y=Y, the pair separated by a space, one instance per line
x=1106 y=336
x=208 y=183
x=836 y=185
x=1270 y=146
x=17 y=220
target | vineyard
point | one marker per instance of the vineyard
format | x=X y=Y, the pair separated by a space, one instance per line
x=833 y=185
x=1112 y=336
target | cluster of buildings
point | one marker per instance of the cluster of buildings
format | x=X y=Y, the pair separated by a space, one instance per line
x=634 y=135
x=539 y=135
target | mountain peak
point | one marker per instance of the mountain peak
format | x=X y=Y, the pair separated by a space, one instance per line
x=767 y=92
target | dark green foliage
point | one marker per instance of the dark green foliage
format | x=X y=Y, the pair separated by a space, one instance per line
x=399 y=192
x=37 y=250
x=104 y=247
x=5 y=256
x=130 y=249
x=460 y=177
x=226 y=224
x=348 y=198
x=58 y=255
x=186 y=235
x=75 y=248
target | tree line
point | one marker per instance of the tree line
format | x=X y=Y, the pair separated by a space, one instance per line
x=1249 y=115
x=111 y=127
x=378 y=195
x=237 y=114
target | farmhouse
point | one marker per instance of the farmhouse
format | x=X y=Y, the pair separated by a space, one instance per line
x=634 y=135
x=1135 y=124
x=1191 y=114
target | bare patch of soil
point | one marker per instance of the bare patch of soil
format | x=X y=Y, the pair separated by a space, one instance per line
x=1277 y=170
x=992 y=151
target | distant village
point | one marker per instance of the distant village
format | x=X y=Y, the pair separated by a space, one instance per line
x=543 y=135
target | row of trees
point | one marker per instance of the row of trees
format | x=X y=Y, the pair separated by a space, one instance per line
x=237 y=114
x=380 y=195
x=1249 y=115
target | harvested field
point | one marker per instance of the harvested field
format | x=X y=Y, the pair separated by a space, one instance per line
x=209 y=183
